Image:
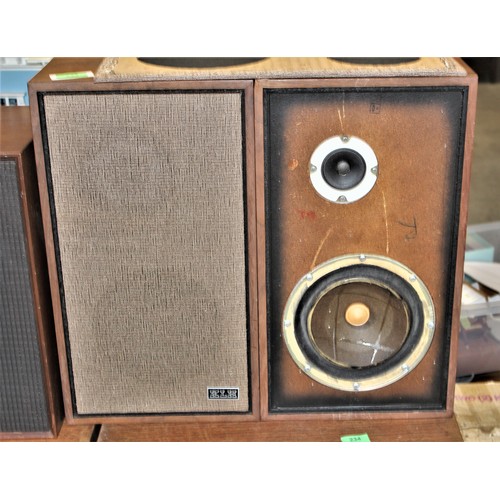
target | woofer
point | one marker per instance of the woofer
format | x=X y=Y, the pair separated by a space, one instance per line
x=359 y=322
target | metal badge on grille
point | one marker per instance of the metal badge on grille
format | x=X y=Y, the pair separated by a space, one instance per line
x=223 y=393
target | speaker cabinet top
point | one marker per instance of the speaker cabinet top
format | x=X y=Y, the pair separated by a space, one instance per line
x=209 y=68
x=106 y=73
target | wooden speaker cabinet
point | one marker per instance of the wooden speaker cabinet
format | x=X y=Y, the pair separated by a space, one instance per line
x=147 y=195
x=30 y=400
x=268 y=238
x=362 y=215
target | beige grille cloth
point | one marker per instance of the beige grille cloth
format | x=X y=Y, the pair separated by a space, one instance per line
x=148 y=193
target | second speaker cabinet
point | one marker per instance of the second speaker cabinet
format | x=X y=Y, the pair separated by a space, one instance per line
x=148 y=201
x=30 y=392
x=361 y=214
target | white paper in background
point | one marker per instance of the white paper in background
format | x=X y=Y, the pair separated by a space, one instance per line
x=486 y=273
x=471 y=296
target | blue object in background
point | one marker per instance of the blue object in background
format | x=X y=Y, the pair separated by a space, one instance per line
x=15 y=82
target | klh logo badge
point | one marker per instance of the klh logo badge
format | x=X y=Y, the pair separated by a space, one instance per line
x=223 y=393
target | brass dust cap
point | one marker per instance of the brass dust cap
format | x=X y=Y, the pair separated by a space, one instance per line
x=357 y=314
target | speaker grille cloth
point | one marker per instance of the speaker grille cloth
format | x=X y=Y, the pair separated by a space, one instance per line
x=23 y=407
x=149 y=207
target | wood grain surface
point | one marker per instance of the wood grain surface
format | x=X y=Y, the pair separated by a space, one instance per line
x=429 y=430
x=68 y=433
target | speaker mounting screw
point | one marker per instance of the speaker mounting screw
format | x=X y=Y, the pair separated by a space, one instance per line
x=374 y=170
x=309 y=276
x=362 y=257
x=355 y=386
x=342 y=199
x=287 y=323
x=412 y=277
x=345 y=138
x=307 y=368
x=313 y=168
x=431 y=324
x=405 y=368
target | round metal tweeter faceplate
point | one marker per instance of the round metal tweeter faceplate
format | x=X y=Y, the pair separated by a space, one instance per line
x=394 y=332
x=343 y=169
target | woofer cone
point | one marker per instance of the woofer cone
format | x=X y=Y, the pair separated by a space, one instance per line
x=379 y=351
x=391 y=296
